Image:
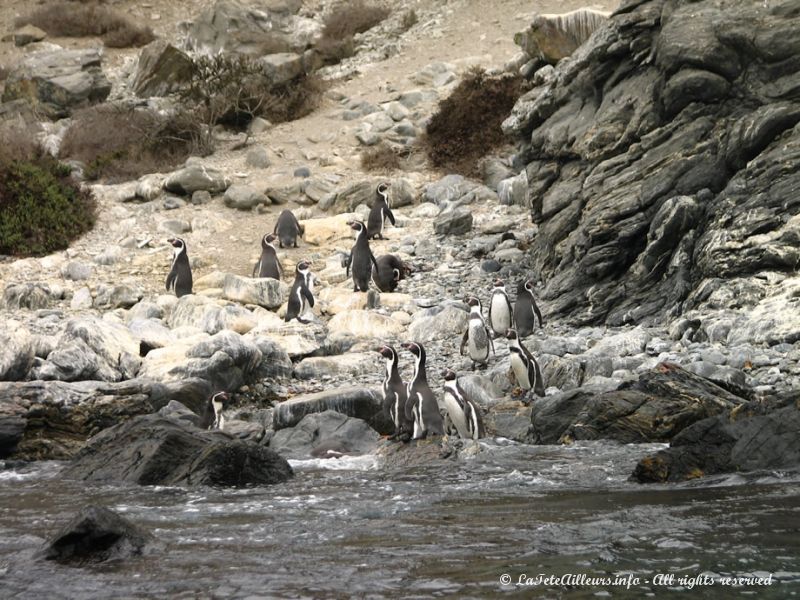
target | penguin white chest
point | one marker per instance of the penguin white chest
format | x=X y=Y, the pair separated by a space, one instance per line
x=520 y=371
x=501 y=316
x=456 y=414
x=478 y=343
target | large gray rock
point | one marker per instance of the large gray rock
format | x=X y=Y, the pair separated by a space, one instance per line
x=440 y=322
x=678 y=171
x=57 y=81
x=196 y=177
x=553 y=37
x=161 y=70
x=266 y=292
x=356 y=401
x=116 y=296
x=328 y=433
x=16 y=351
x=153 y=450
x=453 y=222
x=244 y=197
x=31 y=295
x=282 y=67
x=210 y=316
x=353 y=365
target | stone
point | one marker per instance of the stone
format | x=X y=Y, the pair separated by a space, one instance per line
x=284 y=194
x=453 y=222
x=509 y=420
x=153 y=450
x=296 y=339
x=266 y=292
x=365 y=324
x=149 y=187
x=275 y=361
x=196 y=177
x=514 y=190
x=201 y=197
x=161 y=70
x=81 y=299
x=317 y=188
x=210 y=316
x=96 y=535
x=28 y=34
x=553 y=37
x=357 y=401
x=16 y=351
x=258 y=157
x=439 y=323
x=359 y=192
x=32 y=296
x=116 y=296
x=327 y=229
x=58 y=81
x=552 y=415
x=282 y=67
x=244 y=197
x=323 y=434
x=175 y=226
x=353 y=365
x=435 y=75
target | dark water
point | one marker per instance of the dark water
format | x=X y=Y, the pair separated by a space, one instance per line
x=361 y=531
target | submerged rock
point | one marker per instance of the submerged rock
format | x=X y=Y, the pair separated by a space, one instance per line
x=325 y=434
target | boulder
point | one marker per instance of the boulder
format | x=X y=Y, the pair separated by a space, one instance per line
x=553 y=37
x=58 y=81
x=356 y=401
x=17 y=352
x=752 y=437
x=153 y=450
x=453 y=222
x=282 y=67
x=353 y=365
x=161 y=70
x=258 y=157
x=116 y=296
x=328 y=433
x=354 y=194
x=365 y=324
x=28 y=34
x=95 y=535
x=296 y=339
x=275 y=360
x=196 y=177
x=510 y=420
x=328 y=229
x=266 y=292
x=31 y=295
x=439 y=322
x=151 y=333
x=244 y=197
x=209 y=315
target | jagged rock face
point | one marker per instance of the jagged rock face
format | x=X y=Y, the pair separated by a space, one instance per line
x=663 y=153
x=161 y=69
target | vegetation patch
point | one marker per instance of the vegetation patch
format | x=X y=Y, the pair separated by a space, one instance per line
x=42 y=208
x=381 y=157
x=88 y=19
x=120 y=143
x=343 y=22
x=467 y=123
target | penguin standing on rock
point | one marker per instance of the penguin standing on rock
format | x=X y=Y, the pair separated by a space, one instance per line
x=301 y=297
x=179 y=278
x=525 y=309
x=361 y=261
x=216 y=404
x=422 y=406
x=268 y=265
x=379 y=213
x=464 y=414
x=395 y=394
x=526 y=369
x=476 y=338
x=287 y=228
x=500 y=312
x=390 y=271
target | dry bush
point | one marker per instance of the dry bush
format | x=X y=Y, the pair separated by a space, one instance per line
x=121 y=143
x=78 y=19
x=16 y=143
x=381 y=157
x=409 y=19
x=467 y=123
x=346 y=20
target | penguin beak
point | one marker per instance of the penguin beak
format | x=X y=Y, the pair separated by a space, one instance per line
x=510 y=334
x=381 y=349
x=405 y=346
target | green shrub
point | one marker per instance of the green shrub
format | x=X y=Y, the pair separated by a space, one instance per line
x=346 y=20
x=467 y=123
x=88 y=19
x=121 y=143
x=41 y=208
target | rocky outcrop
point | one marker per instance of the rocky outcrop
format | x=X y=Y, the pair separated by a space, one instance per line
x=161 y=70
x=751 y=437
x=17 y=351
x=153 y=450
x=58 y=81
x=550 y=38
x=356 y=401
x=325 y=434
x=196 y=177
x=663 y=154
x=97 y=534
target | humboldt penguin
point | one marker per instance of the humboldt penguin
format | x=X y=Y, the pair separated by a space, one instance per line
x=500 y=312
x=395 y=394
x=379 y=213
x=390 y=271
x=361 y=261
x=179 y=278
x=526 y=369
x=301 y=297
x=476 y=338
x=422 y=406
x=525 y=309
x=213 y=417
x=268 y=265
x=464 y=413
x=287 y=228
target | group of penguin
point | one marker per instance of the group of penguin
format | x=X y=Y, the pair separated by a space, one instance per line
x=413 y=407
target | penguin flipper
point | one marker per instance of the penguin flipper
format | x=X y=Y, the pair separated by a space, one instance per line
x=255 y=268
x=491 y=342
x=309 y=296
x=391 y=216
x=464 y=342
x=537 y=312
x=539 y=387
x=171 y=279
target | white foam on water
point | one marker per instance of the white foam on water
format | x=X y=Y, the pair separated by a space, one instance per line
x=367 y=462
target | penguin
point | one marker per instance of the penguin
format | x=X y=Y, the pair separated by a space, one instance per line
x=500 y=312
x=301 y=297
x=476 y=337
x=390 y=271
x=216 y=404
x=526 y=369
x=268 y=265
x=395 y=394
x=422 y=406
x=379 y=212
x=525 y=309
x=179 y=278
x=464 y=413
x=287 y=229
x=361 y=261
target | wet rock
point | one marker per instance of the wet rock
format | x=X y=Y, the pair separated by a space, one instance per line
x=160 y=70
x=552 y=415
x=153 y=450
x=440 y=322
x=453 y=222
x=365 y=324
x=95 y=535
x=266 y=292
x=563 y=373
x=351 y=365
x=510 y=420
x=195 y=177
x=16 y=351
x=328 y=433
x=729 y=378
x=244 y=197
x=357 y=401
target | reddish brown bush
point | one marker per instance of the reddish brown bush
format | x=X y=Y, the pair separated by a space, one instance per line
x=381 y=157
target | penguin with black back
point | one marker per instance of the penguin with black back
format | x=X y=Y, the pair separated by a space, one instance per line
x=500 y=312
x=361 y=260
x=526 y=311
x=395 y=395
x=476 y=338
x=268 y=265
x=287 y=229
x=463 y=412
x=179 y=278
x=213 y=418
x=301 y=297
x=422 y=406
x=524 y=365
x=379 y=212
x=390 y=271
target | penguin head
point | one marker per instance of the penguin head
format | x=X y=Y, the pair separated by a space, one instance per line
x=357 y=226
x=268 y=239
x=302 y=267
x=511 y=334
x=222 y=397
x=396 y=274
x=177 y=243
x=474 y=304
x=382 y=189
x=529 y=285
x=499 y=283
x=449 y=375
x=415 y=348
x=387 y=352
